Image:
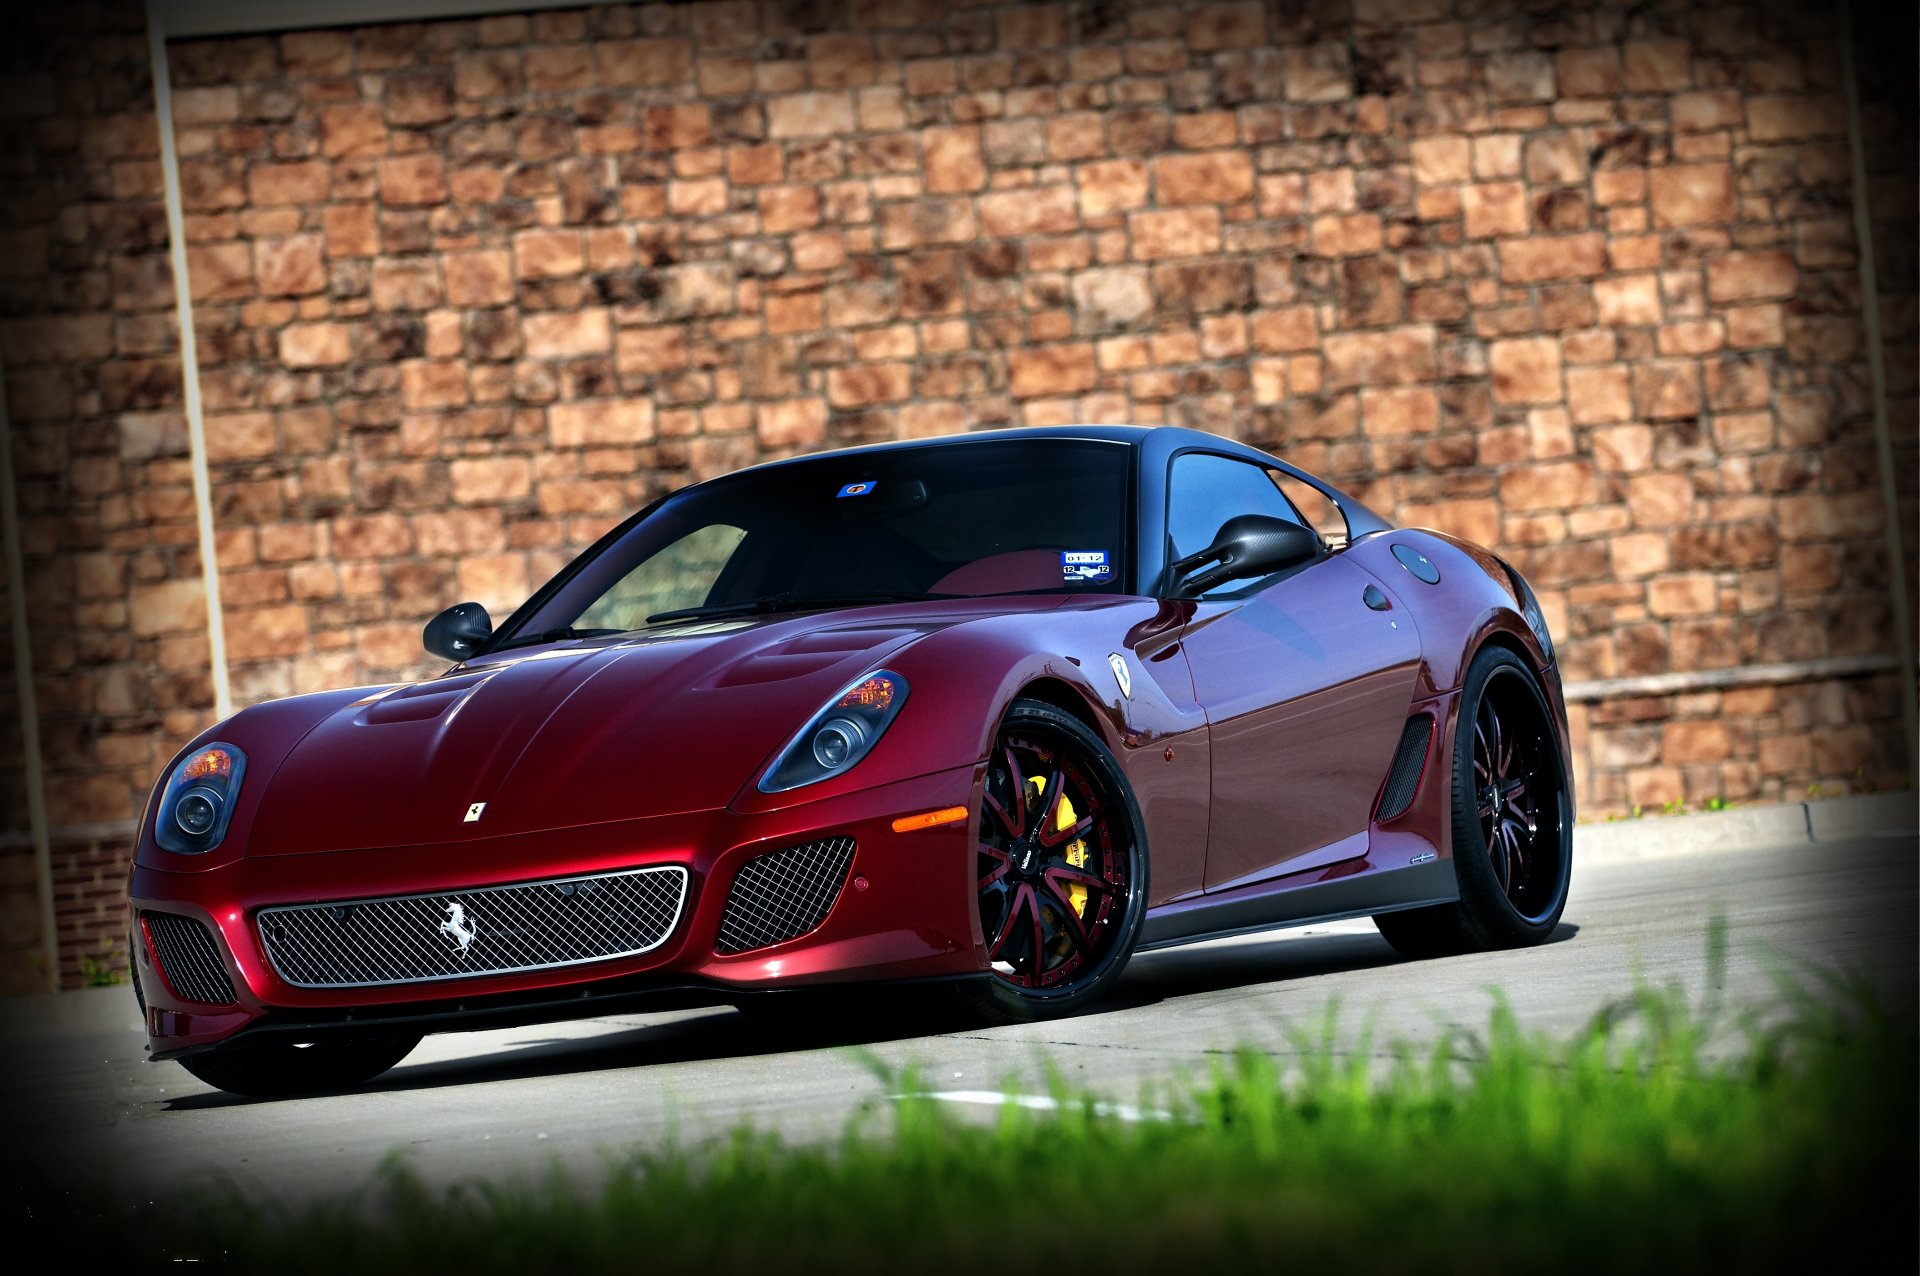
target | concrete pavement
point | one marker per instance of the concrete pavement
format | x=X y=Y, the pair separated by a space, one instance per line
x=510 y=1102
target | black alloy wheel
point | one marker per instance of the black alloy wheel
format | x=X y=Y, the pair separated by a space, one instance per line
x=1512 y=820
x=1060 y=867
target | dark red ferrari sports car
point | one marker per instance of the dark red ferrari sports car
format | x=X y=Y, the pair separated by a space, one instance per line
x=990 y=713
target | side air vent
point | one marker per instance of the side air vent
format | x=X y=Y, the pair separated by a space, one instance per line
x=783 y=895
x=189 y=958
x=1403 y=780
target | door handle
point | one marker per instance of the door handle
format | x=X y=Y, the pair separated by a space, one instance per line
x=1376 y=598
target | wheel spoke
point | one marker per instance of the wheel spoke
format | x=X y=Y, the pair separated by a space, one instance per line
x=1497 y=851
x=1019 y=787
x=1076 y=877
x=1517 y=857
x=1495 y=768
x=1048 y=805
x=1073 y=832
x=1000 y=816
x=1039 y=933
x=1003 y=863
x=1076 y=927
x=1021 y=894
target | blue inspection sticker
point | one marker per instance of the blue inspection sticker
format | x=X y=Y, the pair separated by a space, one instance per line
x=1085 y=566
x=857 y=489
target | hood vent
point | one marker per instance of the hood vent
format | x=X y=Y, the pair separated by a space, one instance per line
x=424 y=700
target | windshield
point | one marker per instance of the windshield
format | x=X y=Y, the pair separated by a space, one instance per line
x=1024 y=516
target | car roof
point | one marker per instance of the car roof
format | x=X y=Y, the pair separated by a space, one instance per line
x=1164 y=439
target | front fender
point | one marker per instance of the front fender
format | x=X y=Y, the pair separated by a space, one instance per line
x=267 y=734
x=963 y=679
x=960 y=682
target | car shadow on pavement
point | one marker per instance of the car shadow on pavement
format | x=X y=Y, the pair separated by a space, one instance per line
x=797 y=1022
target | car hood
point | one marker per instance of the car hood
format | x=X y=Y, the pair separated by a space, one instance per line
x=571 y=734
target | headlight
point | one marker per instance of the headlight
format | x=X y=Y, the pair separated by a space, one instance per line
x=1530 y=610
x=197 y=800
x=838 y=736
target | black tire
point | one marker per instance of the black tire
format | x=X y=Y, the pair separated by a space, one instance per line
x=284 y=1068
x=1040 y=973
x=1513 y=885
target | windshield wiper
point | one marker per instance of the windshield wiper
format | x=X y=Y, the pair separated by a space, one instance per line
x=790 y=602
x=557 y=635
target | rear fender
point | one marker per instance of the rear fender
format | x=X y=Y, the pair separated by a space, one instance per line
x=1471 y=604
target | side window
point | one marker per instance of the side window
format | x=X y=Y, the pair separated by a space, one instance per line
x=1319 y=513
x=681 y=575
x=1205 y=491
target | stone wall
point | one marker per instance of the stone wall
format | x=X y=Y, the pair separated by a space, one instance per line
x=1579 y=285
x=93 y=392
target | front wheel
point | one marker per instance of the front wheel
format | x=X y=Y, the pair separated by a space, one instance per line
x=282 y=1068
x=1512 y=821
x=1060 y=867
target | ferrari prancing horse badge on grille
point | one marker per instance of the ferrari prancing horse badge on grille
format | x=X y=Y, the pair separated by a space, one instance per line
x=457 y=928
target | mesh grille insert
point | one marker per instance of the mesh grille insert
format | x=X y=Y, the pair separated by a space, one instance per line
x=1403 y=780
x=783 y=895
x=489 y=930
x=189 y=958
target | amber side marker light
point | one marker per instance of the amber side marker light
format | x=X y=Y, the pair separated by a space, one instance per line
x=930 y=819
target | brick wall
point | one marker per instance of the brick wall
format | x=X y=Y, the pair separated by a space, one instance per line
x=1581 y=286
x=90 y=348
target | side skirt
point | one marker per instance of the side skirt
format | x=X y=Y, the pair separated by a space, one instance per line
x=1360 y=895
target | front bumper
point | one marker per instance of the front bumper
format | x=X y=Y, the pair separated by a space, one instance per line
x=905 y=912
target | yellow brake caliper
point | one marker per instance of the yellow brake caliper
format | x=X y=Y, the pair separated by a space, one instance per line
x=1076 y=849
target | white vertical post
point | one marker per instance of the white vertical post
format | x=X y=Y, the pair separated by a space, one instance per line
x=29 y=711
x=1877 y=371
x=189 y=364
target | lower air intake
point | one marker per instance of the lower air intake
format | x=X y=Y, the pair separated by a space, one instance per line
x=1403 y=780
x=189 y=959
x=783 y=895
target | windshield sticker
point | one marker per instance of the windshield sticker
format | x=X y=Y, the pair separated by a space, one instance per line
x=1085 y=566
x=858 y=489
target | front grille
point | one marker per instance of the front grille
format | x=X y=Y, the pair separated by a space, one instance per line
x=1403 y=779
x=783 y=895
x=189 y=958
x=490 y=930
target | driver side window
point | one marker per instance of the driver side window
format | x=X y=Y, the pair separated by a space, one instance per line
x=1206 y=490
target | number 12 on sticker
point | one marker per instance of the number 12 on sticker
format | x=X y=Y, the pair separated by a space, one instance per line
x=1085 y=566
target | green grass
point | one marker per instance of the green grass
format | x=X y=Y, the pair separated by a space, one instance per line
x=100 y=971
x=1662 y=1136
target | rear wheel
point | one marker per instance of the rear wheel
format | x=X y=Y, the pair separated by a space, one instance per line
x=1060 y=867
x=261 y=1071
x=1512 y=821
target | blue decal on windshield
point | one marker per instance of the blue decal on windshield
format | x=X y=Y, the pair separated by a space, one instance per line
x=1085 y=566
x=857 y=489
